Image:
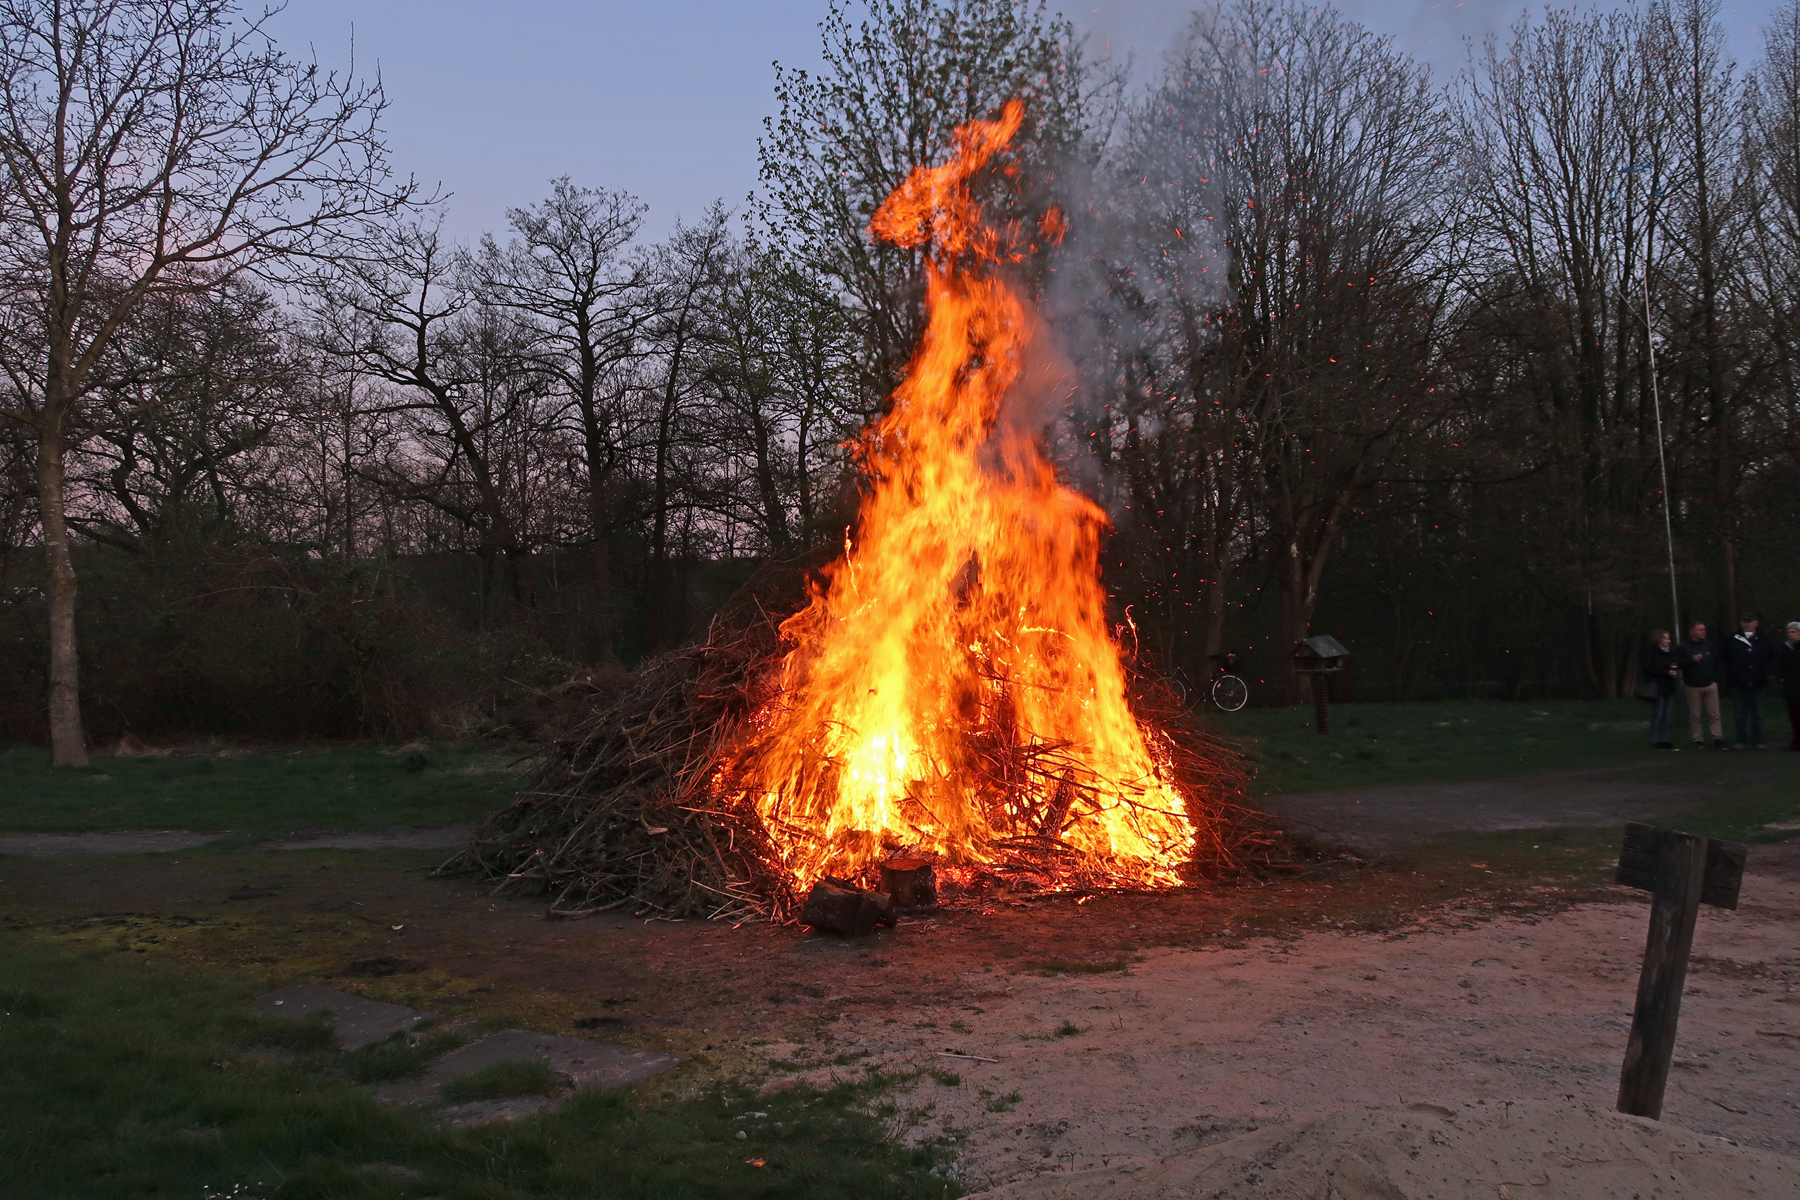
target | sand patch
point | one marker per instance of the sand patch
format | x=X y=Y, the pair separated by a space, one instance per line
x=1545 y=1151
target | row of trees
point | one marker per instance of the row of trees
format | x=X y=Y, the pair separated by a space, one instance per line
x=1344 y=341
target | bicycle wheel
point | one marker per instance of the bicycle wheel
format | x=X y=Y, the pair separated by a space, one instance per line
x=1187 y=696
x=1230 y=693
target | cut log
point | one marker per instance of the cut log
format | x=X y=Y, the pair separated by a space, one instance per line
x=910 y=881
x=836 y=906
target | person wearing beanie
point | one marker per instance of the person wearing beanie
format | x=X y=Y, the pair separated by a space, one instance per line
x=1699 y=661
x=1787 y=669
x=1747 y=657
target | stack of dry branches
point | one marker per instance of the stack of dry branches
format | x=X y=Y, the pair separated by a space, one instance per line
x=634 y=807
x=619 y=813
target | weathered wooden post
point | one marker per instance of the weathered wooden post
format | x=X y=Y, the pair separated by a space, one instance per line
x=1681 y=872
x=1318 y=659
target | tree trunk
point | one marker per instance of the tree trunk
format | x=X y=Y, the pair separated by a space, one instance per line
x=1293 y=615
x=1213 y=599
x=599 y=512
x=68 y=746
x=1728 y=579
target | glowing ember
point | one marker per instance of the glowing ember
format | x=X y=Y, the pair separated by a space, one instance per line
x=953 y=690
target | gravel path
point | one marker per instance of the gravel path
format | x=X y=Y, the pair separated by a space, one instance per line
x=1387 y=818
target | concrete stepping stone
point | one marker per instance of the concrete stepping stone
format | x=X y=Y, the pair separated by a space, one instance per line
x=582 y=1062
x=358 y=1022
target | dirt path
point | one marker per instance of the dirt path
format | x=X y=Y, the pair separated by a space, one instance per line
x=163 y=841
x=1374 y=818
x=1387 y=818
x=1193 y=1046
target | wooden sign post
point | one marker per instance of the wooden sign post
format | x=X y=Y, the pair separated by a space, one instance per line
x=1681 y=872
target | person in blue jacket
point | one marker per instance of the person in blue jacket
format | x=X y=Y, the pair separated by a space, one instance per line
x=1747 y=657
x=1787 y=669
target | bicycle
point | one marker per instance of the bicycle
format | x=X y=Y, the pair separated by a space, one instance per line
x=1229 y=692
x=1226 y=691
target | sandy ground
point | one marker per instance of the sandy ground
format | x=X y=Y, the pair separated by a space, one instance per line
x=1194 y=1046
x=1541 y=1150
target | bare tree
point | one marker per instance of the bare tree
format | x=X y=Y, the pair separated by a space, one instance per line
x=780 y=380
x=571 y=273
x=684 y=273
x=1720 y=352
x=150 y=145
x=1774 y=126
x=896 y=85
x=465 y=386
x=1564 y=145
x=182 y=450
x=1307 y=159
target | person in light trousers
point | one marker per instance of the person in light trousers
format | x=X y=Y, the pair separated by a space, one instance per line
x=1699 y=661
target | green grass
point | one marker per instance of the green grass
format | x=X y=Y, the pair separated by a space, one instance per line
x=1744 y=814
x=120 y=1079
x=351 y=787
x=502 y=1080
x=1446 y=741
x=401 y=1056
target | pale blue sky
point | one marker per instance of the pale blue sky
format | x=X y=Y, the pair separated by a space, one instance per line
x=666 y=100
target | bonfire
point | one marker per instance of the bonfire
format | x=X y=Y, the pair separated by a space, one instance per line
x=952 y=693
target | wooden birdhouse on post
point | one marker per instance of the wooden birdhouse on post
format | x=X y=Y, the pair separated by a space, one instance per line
x=1317 y=659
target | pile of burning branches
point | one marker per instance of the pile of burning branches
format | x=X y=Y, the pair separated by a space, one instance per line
x=951 y=696
x=633 y=807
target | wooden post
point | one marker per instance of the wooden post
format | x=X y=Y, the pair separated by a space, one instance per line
x=1321 y=685
x=1680 y=871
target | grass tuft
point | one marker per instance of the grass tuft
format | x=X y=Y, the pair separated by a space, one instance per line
x=399 y=1057
x=1000 y=1104
x=503 y=1080
x=1062 y=966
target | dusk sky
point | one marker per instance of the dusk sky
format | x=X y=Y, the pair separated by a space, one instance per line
x=666 y=100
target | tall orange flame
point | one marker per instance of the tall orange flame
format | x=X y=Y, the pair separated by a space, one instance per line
x=953 y=690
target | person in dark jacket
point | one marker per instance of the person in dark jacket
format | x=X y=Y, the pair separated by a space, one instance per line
x=1787 y=669
x=1661 y=671
x=1747 y=657
x=1699 y=661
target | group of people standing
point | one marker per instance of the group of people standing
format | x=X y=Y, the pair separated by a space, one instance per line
x=1745 y=663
